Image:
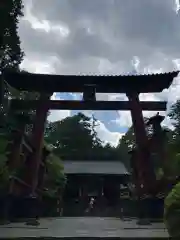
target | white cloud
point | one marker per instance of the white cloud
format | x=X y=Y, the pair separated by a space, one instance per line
x=44 y=25
x=106 y=136
x=173 y=93
x=38 y=65
x=123 y=119
x=177 y=3
x=72 y=37
x=57 y=115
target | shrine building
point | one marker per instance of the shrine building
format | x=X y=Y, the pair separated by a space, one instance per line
x=101 y=180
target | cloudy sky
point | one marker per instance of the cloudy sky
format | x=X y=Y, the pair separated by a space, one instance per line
x=103 y=37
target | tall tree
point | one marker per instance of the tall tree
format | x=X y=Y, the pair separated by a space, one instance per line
x=174 y=115
x=96 y=141
x=174 y=139
x=128 y=142
x=11 y=53
x=11 y=56
x=55 y=179
x=73 y=137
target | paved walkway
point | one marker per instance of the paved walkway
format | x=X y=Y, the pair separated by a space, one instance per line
x=83 y=227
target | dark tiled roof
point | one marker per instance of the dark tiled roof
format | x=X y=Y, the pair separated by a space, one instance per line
x=24 y=73
x=95 y=167
x=117 y=75
x=9 y=74
x=103 y=83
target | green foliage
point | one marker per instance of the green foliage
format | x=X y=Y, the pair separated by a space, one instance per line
x=3 y=145
x=73 y=137
x=27 y=116
x=175 y=116
x=172 y=211
x=173 y=140
x=55 y=178
x=4 y=172
x=172 y=201
x=159 y=173
x=11 y=53
x=174 y=166
x=126 y=143
x=173 y=198
x=11 y=56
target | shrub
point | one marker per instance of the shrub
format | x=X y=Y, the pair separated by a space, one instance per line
x=172 y=211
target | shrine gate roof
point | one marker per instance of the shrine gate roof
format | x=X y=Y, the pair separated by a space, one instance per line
x=95 y=167
x=76 y=83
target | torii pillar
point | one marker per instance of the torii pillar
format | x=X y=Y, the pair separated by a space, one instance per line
x=145 y=173
x=37 y=143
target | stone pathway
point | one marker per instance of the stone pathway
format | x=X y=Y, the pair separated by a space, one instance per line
x=83 y=227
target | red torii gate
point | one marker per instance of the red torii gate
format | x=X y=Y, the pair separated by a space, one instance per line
x=132 y=86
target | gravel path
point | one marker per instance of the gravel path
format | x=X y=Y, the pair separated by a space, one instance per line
x=83 y=227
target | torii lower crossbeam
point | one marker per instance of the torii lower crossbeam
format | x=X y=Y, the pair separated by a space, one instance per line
x=82 y=105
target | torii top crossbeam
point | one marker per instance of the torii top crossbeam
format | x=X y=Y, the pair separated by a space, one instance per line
x=103 y=84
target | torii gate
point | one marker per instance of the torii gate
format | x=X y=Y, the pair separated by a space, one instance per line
x=132 y=86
